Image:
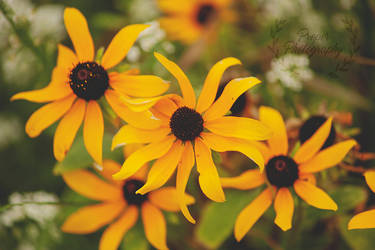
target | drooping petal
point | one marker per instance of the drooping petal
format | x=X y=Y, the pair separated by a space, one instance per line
x=370 y=179
x=278 y=143
x=363 y=220
x=91 y=186
x=114 y=233
x=251 y=214
x=328 y=157
x=48 y=114
x=138 y=104
x=167 y=106
x=314 y=196
x=166 y=199
x=209 y=180
x=67 y=129
x=93 y=130
x=239 y=127
x=222 y=144
x=183 y=173
x=129 y=134
x=284 y=208
x=247 y=180
x=312 y=145
x=120 y=44
x=163 y=168
x=66 y=59
x=154 y=225
x=264 y=150
x=148 y=153
x=212 y=82
x=90 y=218
x=79 y=33
x=185 y=85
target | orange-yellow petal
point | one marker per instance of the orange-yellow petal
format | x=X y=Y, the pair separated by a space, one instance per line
x=307 y=177
x=209 y=180
x=278 y=143
x=185 y=85
x=314 y=196
x=90 y=218
x=93 y=130
x=138 y=104
x=114 y=233
x=110 y=167
x=166 y=106
x=251 y=214
x=363 y=220
x=67 y=129
x=247 y=180
x=154 y=225
x=79 y=33
x=212 y=82
x=328 y=157
x=166 y=199
x=48 y=114
x=284 y=208
x=312 y=145
x=66 y=59
x=370 y=179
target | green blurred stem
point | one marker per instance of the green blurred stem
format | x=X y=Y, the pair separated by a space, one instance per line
x=7 y=206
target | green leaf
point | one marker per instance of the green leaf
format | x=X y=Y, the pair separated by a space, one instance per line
x=135 y=239
x=348 y=197
x=357 y=239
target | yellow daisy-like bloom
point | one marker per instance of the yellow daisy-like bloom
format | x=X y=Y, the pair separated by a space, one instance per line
x=120 y=206
x=365 y=219
x=187 y=20
x=78 y=82
x=189 y=130
x=283 y=172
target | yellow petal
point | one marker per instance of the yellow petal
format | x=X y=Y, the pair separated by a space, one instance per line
x=284 y=208
x=231 y=92
x=90 y=218
x=239 y=127
x=251 y=214
x=148 y=153
x=247 y=180
x=113 y=235
x=79 y=33
x=129 y=134
x=212 y=82
x=143 y=120
x=166 y=106
x=209 y=180
x=370 y=179
x=91 y=186
x=314 y=196
x=183 y=173
x=185 y=85
x=221 y=144
x=307 y=177
x=312 y=145
x=138 y=104
x=174 y=6
x=154 y=225
x=110 y=167
x=328 y=157
x=264 y=150
x=66 y=59
x=162 y=169
x=93 y=130
x=67 y=129
x=120 y=44
x=363 y=220
x=278 y=143
x=48 y=114
x=166 y=199
x=138 y=86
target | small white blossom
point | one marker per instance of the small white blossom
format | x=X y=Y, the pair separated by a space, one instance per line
x=10 y=130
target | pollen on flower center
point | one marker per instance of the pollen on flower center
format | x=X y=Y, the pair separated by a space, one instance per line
x=205 y=13
x=311 y=125
x=282 y=171
x=186 y=124
x=89 y=80
x=129 y=189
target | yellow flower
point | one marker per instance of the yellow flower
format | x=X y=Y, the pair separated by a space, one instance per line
x=187 y=20
x=365 y=219
x=282 y=172
x=120 y=206
x=78 y=82
x=183 y=136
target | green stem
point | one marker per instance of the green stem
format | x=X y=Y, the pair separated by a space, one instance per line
x=7 y=206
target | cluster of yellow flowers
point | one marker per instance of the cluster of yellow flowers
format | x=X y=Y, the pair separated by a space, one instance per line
x=175 y=131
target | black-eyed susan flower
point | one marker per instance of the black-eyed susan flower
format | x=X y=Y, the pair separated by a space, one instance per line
x=120 y=206
x=78 y=82
x=365 y=219
x=187 y=20
x=188 y=132
x=283 y=172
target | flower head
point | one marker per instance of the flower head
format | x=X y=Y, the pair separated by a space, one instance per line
x=78 y=82
x=283 y=172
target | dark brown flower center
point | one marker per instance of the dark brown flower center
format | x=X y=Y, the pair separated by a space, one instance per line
x=186 y=124
x=282 y=171
x=238 y=106
x=88 y=80
x=205 y=13
x=311 y=125
x=129 y=189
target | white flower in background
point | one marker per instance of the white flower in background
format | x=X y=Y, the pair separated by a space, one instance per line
x=290 y=70
x=151 y=36
x=47 y=22
x=10 y=130
x=143 y=11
